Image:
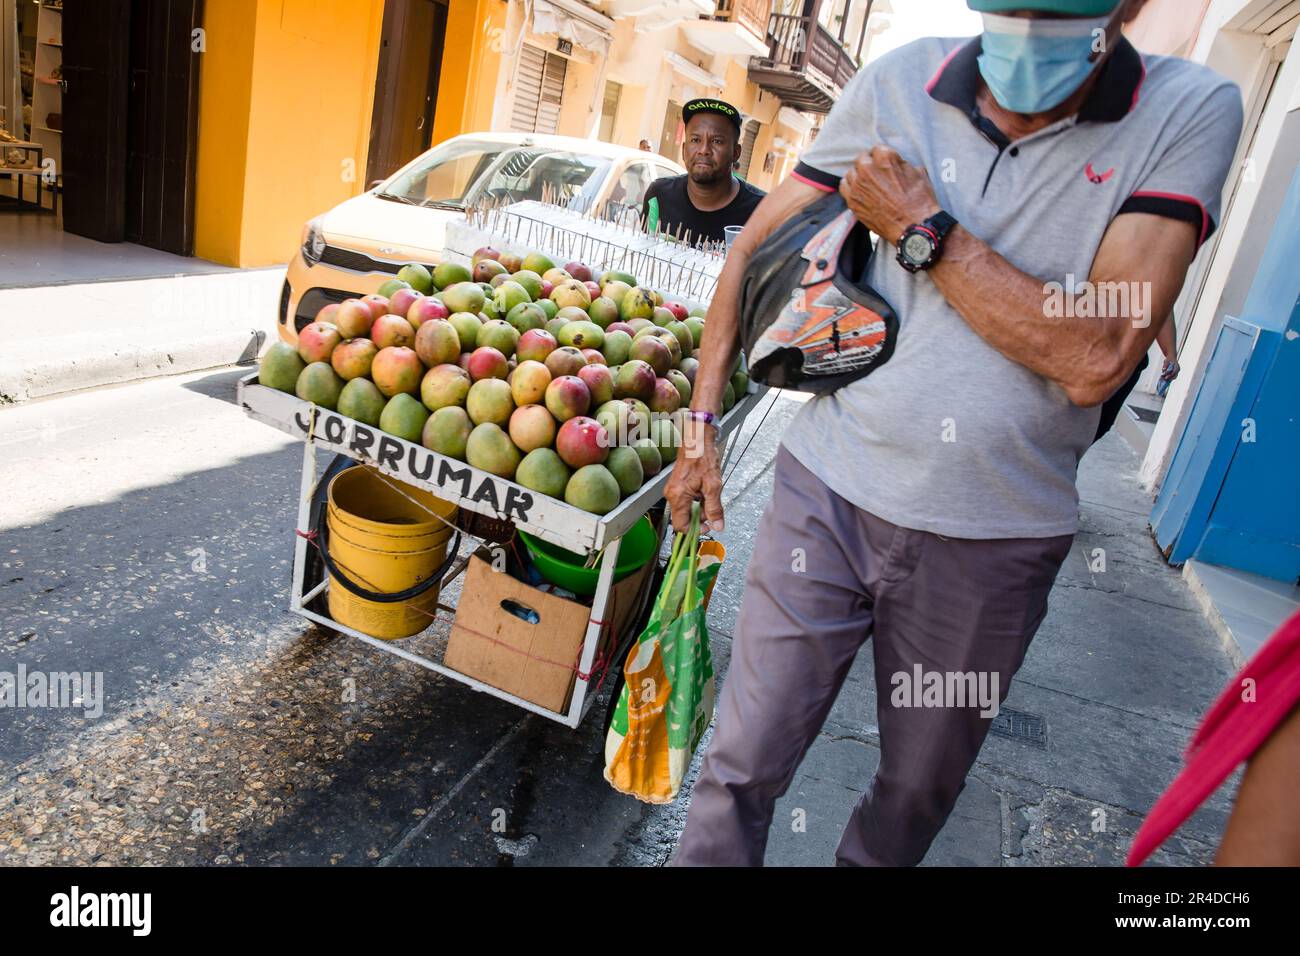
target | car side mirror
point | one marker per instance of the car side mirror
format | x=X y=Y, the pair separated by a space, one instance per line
x=374 y=183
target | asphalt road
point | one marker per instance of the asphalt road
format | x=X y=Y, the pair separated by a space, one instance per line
x=146 y=536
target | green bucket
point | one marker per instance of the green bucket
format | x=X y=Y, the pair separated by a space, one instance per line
x=565 y=569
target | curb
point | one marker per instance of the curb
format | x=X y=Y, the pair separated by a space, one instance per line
x=22 y=381
x=1222 y=629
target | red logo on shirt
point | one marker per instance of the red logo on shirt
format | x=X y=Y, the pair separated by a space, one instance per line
x=1096 y=177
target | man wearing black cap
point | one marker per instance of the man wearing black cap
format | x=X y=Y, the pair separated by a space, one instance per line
x=709 y=197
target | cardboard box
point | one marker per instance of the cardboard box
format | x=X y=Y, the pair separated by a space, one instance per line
x=537 y=662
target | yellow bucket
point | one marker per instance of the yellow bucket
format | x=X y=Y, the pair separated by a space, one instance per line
x=385 y=542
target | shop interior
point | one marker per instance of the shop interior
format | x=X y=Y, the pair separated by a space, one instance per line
x=31 y=103
x=82 y=141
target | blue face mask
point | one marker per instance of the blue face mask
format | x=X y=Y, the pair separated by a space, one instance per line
x=1032 y=66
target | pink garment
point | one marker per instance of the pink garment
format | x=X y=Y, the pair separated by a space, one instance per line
x=1231 y=731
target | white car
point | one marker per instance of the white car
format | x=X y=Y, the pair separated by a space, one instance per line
x=361 y=243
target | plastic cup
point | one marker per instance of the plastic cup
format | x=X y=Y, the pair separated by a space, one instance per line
x=731 y=232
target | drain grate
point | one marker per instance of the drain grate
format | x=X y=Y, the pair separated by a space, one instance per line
x=1017 y=725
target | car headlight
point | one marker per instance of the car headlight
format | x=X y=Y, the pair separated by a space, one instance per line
x=313 y=242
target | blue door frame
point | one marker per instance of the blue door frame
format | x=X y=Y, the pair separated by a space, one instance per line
x=1232 y=493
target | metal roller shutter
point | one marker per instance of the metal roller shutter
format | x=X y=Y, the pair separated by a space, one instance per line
x=548 y=111
x=539 y=87
x=747 y=139
x=528 y=88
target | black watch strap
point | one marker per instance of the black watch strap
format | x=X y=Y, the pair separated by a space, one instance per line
x=941 y=223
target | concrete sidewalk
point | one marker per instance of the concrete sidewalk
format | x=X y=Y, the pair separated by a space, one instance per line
x=67 y=337
x=1094 y=725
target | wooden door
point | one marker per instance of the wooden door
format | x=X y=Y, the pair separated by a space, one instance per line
x=95 y=53
x=406 y=86
x=162 y=124
x=669 y=144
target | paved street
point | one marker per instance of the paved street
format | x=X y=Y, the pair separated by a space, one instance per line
x=147 y=535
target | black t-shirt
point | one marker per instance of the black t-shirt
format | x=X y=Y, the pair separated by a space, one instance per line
x=676 y=208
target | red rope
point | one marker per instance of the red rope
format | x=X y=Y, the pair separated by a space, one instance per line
x=603 y=659
x=532 y=657
x=599 y=666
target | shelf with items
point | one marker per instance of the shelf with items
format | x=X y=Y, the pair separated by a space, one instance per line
x=47 y=92
x=22 y=161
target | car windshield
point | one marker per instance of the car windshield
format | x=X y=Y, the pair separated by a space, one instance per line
x=461 y=173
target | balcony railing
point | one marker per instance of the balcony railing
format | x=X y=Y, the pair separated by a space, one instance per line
x=806 y=66
x=750 y=14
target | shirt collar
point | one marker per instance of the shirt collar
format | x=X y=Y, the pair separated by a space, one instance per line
x=1112 y=98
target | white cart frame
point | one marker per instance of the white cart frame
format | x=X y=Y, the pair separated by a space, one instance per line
x=473 y=490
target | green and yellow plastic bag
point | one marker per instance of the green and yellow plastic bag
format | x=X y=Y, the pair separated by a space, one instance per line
x=667 y=699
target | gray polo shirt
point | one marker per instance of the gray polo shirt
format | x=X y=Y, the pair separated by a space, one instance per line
x=950 y=436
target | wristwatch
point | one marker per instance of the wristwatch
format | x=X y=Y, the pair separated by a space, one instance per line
x=921 y=245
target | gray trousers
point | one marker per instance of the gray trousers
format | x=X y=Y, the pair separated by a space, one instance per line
x=825 y=576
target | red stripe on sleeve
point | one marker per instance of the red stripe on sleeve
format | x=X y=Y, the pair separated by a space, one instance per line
x=1190 y=200
x=815 y=185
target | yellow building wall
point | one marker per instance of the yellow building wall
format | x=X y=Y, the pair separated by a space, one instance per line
x=472 y=60
x=225 y=93
x=629 y=126
x=310 y=128
x=755 y=104
x=286 y=90
x=649 y=82
x=763 y=146
x=577 y=115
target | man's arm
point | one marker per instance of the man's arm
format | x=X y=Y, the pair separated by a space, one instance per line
x=1264 y=829
x=1088 y=358
x=1144 y=254
x=697 y=473
x=1167 y=338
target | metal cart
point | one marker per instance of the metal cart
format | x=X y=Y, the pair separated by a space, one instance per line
x=473 y=490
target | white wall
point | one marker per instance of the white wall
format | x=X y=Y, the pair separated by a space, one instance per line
x=1224 y=270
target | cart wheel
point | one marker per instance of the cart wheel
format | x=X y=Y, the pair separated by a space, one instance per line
x=313 y=574
x=314 y=567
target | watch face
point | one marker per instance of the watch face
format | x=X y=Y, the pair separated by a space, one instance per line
x=917 y=247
